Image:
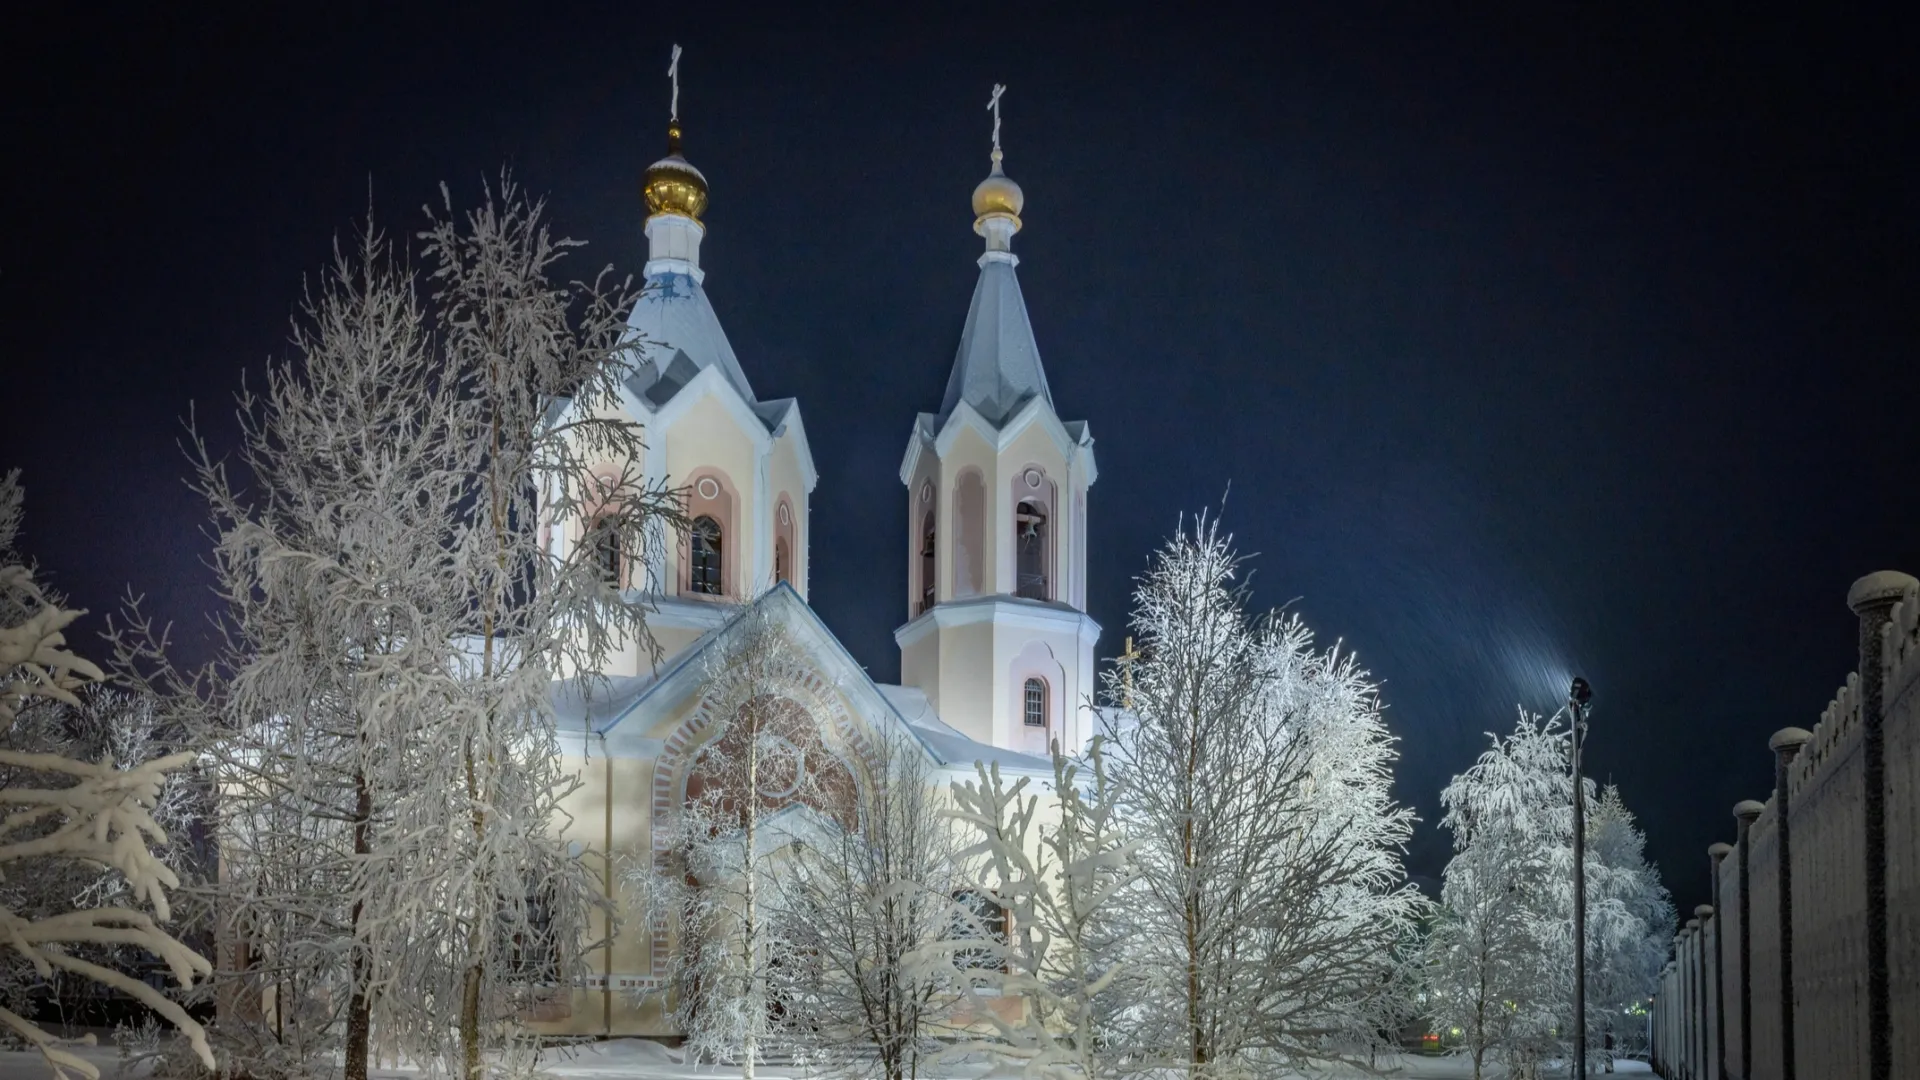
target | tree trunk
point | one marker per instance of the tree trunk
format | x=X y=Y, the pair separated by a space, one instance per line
x=1196 y=1031
x=756 y=997
x=476 y=971
x=360 y=1005
x=470 y=1022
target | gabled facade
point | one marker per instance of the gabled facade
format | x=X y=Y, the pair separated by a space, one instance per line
x=744 y=463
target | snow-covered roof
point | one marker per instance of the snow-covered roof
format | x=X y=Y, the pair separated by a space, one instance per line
x=949 y=746
x=602 y=704
x=997 y=368
x=682 y=338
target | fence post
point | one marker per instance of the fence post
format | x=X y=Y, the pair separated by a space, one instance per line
x=1872 y=599
x=1690 y=1012
x=1746 y=812
x=1786 y=744
x=1709 y=998
x=1717 y=854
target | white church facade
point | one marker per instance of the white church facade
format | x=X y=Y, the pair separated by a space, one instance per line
x=996 y=647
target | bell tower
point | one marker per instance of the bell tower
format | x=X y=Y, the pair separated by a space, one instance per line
x=997 y=633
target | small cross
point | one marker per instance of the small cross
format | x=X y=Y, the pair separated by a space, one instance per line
x=1127 y=657
x=673 y=72
x=993 y=103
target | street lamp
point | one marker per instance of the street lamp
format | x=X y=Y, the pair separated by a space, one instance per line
x=1577 y=697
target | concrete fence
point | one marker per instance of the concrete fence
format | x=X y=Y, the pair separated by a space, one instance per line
x=1807 y=964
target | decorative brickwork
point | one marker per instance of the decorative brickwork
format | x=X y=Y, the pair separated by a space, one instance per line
x=817 y=697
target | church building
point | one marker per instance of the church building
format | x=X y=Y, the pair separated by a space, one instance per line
x=996 y=647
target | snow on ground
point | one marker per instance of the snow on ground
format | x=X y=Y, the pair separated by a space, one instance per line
x=641 y=1059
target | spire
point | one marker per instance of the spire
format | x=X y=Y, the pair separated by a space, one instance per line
x=673 y=316
x=676 y=195
x=997 y=369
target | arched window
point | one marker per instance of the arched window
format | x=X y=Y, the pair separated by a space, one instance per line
x=704 y=575
x=1030 y=541
x=927 y=562
x=607 y=554
x=783 y=541
x=969 y=533
x=1034 y=706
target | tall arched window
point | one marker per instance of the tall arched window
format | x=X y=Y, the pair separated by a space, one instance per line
x=783 y=541
x=1034 y=707
x=1030 y=542
x=927 y=562
x=704 y=573
x=607 y=554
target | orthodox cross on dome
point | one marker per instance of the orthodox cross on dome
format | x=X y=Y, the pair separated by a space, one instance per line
x=993 y=105
x=673 y=73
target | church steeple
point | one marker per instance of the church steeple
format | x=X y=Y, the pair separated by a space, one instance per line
x=998 y=636
x=741 y=461
x=997 y=369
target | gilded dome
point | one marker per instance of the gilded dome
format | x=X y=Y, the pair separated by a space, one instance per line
x=672 y=185
x=997 y=194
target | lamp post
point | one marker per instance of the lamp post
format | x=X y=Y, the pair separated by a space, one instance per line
x=1577 y=697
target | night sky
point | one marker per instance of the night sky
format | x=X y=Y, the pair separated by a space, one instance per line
x=1553 y=341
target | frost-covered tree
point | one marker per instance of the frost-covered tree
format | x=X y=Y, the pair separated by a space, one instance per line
x=1630 y=921
x=109 y=723
x=762 y=781
x=859 y=909
x=378 y=720
x=63 y=812
x=544 y=444
x=1253 y=769
x=1044 y=923
x=1498 y=962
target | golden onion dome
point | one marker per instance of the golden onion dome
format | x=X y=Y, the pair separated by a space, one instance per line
x=672 y=185
x=998 y=194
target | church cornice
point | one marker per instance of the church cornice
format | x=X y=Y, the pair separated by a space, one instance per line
x=1078 y=452
x=1012 y=611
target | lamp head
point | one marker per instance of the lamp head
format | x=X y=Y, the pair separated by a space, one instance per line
x=1580 y=693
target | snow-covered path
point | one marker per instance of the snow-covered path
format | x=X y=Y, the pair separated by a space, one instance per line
x=638 y=1059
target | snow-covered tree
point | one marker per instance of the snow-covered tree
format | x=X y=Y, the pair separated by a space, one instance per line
x=1043 y=922
x=1253 y=769
x=1499 y=960
x=61 y=812
x=108 y=724
x=762 y=781
x=859 y=908
x=1630 y=921
x=378 y=721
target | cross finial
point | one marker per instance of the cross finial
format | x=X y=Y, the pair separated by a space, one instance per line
x=673 y=73
x=1126 y=673
x=993 y=103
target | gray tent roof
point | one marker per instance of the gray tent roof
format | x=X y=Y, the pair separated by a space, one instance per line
x=683 y=338
x=997 y=369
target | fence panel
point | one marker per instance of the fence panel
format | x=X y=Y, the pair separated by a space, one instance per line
x=1727 y=900
x=1903 y=835
x=1763 y=870
x=1830 y=899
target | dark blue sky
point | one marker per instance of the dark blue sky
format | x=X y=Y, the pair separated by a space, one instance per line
x=1561 y=338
